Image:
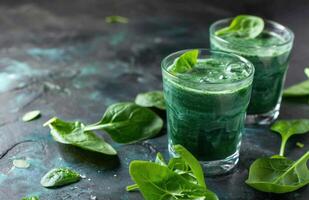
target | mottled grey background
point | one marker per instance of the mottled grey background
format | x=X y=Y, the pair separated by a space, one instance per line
x=62 y=58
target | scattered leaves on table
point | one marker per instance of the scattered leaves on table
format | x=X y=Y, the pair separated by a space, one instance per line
x=287 y=128
x=74 y=133
x=59 y=177
x=151 y=99
x=128 y=123
x=157 y=180
x=279 y=174
x=300 y=89
x=21 y=163
x=30 y=198
x=116 y=19
x=32 y=115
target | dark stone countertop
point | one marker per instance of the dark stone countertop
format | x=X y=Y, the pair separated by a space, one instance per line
x=62 y=58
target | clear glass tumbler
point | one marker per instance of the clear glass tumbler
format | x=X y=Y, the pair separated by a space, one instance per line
x=269 y=53
x=206 y=114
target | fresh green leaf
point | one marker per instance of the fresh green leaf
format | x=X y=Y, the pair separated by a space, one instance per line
x=185 y=62
x=192 y=162
x=21 y=163
x=179 y=166
x=177 y=180
x=159 y=160
x=287 y=128
x=124 y=122
x=128 y=123
x=29 y=116
x=159 y=182
x=243 y=26
x=74 y=133
x=151 y=99
x=298 y=90
x=300 y=145
x=59 y=177
x=31 y=198
x=116 y=19
x=279 y=175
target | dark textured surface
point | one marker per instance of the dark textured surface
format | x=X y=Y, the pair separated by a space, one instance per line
x=62 y=58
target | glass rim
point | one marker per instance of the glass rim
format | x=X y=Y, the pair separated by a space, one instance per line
x=276 y=24
x=244 y=60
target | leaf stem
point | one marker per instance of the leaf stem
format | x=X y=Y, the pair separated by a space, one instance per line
x=93 y=127
x=282 y=147
x=304 y=157
x=132 y=187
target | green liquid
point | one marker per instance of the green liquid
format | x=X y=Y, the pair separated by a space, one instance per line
x=208 y=123
x=270 y=68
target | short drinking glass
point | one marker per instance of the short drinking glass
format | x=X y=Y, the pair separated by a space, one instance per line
x=206 y=107
x=269 y=52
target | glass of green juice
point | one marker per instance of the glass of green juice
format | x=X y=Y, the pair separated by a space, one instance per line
x=269 y=52
x=206 y=106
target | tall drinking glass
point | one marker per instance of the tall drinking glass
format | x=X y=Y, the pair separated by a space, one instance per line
x=269 y=53
x=206 y=107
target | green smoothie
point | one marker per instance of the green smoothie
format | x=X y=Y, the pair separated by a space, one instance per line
x=206 y=106
x=270 y=69
x=269 y=52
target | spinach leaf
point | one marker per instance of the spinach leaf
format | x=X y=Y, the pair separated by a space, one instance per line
x=192 y=162
x=128 y=123
x=30 y=198
x=185 y=62
x=300 y=89
x=159 y=182
x=243 y=26
x=59 y=177
x=74 y=133
x=278 y=174
x=29 y=116
x=151 y=99
x=116 y=19
x=287 y=128
x=21 y=163
x=180 y=179
x=159 y=160
x=179 y=166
